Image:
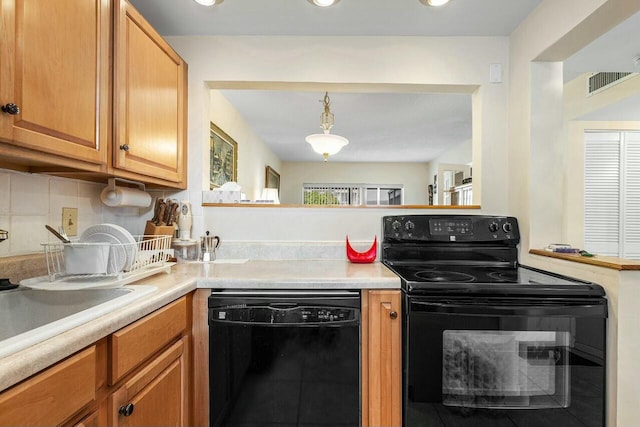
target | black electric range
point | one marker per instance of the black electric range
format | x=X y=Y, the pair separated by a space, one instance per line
x=454 y=254
x=487 y=341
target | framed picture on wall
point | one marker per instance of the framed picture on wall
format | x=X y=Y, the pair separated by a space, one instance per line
x=272 y=178
x=223 y=158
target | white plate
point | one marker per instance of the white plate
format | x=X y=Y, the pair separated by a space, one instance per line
x=125 y=246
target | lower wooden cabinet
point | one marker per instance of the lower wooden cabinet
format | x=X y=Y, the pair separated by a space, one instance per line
x=155 y=396
x=54 y=395
x=148 y=361
x=381 y=358
x=91 y=420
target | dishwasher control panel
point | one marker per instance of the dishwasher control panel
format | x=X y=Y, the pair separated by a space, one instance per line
x=283 y=315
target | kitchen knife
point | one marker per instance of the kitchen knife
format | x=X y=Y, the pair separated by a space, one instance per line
x=161 y=211
x=173 y=212
x=156 y=208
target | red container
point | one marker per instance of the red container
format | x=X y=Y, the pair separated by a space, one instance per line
x=363 y=257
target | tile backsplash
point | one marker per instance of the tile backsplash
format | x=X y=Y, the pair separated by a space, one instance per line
x=31 y=200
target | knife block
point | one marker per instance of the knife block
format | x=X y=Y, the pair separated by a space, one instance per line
x=154 y=230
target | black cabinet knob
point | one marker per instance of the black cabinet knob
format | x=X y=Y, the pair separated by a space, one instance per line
x=126 y=410
x=10 y=108
x=393 y=315
x=124 y=147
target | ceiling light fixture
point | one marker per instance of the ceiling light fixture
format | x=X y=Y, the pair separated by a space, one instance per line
x=208 y=2
x=325 y=143
x=434 y=2
x=323 y=3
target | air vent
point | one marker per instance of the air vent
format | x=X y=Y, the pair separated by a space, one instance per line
x=600 y=81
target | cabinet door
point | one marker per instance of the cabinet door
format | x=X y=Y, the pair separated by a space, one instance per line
x=156 y=396
x=382 y=358
x=55 y=68
x=150 y=100
x=53 y=395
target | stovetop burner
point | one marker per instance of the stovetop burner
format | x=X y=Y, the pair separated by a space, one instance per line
x=443 y=276
x=507 y=276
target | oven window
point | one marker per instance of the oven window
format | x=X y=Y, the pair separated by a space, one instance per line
x=505 y=369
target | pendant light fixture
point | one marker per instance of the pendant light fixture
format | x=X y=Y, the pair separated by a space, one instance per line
x=434 y=2
x=209 y=2
x=323 y=3
x=326 y=143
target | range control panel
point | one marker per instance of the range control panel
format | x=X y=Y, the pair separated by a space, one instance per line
x=451 y=228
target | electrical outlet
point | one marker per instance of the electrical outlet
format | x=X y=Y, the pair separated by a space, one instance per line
x=70 y=221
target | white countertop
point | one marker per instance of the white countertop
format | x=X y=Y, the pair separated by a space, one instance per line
x=183 y=279
x=296 y=274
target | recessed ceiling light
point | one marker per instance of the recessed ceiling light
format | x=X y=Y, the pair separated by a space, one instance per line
x=209 y=2
x=323 y=3
x=434 y=2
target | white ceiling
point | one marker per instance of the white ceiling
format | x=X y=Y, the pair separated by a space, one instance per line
x=346 y=18
x=389 y=127
x=372 y=121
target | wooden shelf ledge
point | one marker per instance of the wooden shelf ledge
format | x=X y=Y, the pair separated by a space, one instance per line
x=598 y=260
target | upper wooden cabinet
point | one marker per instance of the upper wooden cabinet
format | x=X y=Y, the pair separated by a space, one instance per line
x=90 y=86
x=55 y=69
x=150 y=99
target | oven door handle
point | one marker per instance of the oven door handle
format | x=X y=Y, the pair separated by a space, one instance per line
x=532 y=309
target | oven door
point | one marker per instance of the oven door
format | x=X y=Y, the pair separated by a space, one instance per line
x=503 y=361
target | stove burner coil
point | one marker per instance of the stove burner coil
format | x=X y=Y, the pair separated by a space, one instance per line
x=444 y=276
x=504 y=276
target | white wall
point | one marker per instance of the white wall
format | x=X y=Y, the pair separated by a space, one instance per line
x=30 y=201
x=462 y=61
x=538 y=151
x=461 y=154
x=413 y=176
x=253 y=154
x=576 y=105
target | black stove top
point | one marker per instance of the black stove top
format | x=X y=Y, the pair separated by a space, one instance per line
x=460 y=279
x=468 y=254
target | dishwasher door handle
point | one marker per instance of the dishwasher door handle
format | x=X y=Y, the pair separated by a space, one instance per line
x=332 y=324
x=285 y=314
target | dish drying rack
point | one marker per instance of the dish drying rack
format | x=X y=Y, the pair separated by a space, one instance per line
x=125 y=262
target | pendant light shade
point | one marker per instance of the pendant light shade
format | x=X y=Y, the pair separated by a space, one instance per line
x=326 y=143
x=209 y=2
x=323 y=3
x=434 y=2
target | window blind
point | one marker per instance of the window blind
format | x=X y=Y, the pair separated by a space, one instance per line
x=631 y=193
x=612 y=194
x=602 y=193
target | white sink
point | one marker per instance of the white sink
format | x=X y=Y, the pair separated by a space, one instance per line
x=28 y=316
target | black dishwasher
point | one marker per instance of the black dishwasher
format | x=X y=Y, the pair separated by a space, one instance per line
x=285 y=358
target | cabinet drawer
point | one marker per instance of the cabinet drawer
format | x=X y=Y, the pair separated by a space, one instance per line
x=54 y=395
x=137 y=342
